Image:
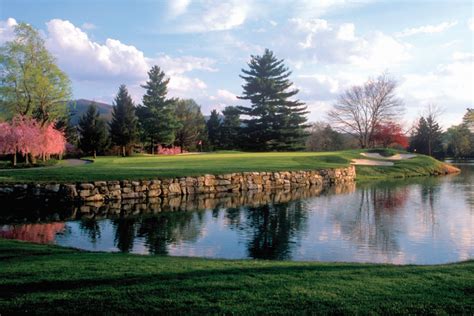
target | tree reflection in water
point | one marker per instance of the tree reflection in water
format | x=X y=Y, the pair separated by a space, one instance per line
x=90 y=226
x=371 y=218
x=402 y=221
x=169 y=228
x=270 y=230
x=44 y=233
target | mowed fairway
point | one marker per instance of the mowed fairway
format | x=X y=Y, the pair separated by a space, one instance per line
x=152 y=167
x=148 y=167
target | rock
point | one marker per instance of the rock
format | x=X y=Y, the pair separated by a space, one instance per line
x=174 y=188
x=86 y=186
x=95 y=197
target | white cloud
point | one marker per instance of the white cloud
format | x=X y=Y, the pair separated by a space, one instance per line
x=180 y=65
x=105 y=65
x=214 y=16
x=82 y=58
x=379 y=52
x=470 y=24
x=7 y=30
x=449 y=86
x=427 y=29
x=224 y=96
x=179 y=84
x=463 y=57
x=317 y=8
x=177 y=7
x=327 y=43
x=88 y=26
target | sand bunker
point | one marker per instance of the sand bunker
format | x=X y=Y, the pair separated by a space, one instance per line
x=394 y=157
x=367 y=162
x=381 y=160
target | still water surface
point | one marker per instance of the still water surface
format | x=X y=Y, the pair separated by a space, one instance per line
x=421 y=221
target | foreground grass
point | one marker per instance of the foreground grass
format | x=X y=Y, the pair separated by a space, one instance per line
x=149 y=167
x=53 y=280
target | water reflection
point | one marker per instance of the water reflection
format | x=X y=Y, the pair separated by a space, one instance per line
x=425 y=220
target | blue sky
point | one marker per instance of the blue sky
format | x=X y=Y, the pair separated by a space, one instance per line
x=427 y=46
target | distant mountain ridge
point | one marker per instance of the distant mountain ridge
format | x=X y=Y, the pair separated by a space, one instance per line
x=79 y=107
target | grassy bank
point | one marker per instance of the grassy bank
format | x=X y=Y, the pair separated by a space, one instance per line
x=49 y=279
x=149 y=167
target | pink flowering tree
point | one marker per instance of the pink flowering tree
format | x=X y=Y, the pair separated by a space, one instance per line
x=173 y=150
x=25 y=136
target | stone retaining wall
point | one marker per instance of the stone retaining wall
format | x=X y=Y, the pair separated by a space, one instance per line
x=125 y=189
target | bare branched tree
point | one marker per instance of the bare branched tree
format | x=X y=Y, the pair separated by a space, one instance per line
x=361 y=108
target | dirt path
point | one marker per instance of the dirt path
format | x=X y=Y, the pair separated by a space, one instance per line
x=64 y=163
x=76 y=162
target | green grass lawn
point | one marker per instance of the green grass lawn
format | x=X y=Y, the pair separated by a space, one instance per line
x=149 y=167
x=53 y=280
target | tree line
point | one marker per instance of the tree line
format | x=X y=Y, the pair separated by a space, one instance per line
x=270 y=117
x=273 y=120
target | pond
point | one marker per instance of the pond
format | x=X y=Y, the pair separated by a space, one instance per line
x=416 y=221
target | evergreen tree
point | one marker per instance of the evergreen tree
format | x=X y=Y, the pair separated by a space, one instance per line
x=275 y=122
x=157 y=116
x=192 y=124
x=427 y=137
x=93 y=131
x=123 y=127
x=213 y=127
x=230 y=128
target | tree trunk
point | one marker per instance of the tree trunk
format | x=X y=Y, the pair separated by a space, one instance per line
x=123 y=151
x=14 y=159
x=95 y=154
x=26 y=159
x=152 y=147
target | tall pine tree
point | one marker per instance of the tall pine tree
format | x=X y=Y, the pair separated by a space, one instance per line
x=213 y=126
x=93 y=131
x=275 y=121
x=123 y=127
x=157 y=115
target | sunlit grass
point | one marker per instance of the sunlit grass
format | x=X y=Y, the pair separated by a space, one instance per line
x=52 y=280
x=149 y=167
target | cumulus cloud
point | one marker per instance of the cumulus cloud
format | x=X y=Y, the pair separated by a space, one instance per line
x=224 y=96
x=180 y=84
x=84 y=59
x=328 y=43
x=88 y=26
x=180 y=65
x=427 y=29
x=214 y=16
x=448 y=85
x=313 y=8
x=7 y=30
x=470 y=24
x=112 y=62
x=177 y=7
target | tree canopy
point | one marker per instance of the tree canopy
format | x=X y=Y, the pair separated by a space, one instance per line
x=31 y=84
x=273 y=121
x=156 y=115
x=361 y=109
x=93 y=131
x=192 y=124
x=123 y=127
